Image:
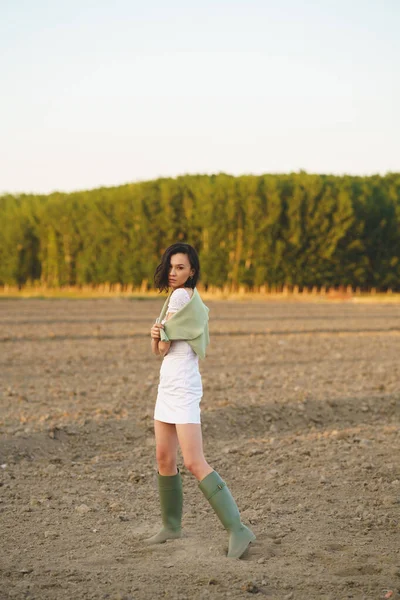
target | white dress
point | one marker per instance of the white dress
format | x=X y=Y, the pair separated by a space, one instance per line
x=180 y=388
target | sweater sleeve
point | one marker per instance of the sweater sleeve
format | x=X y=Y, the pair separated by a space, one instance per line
x=178 y=299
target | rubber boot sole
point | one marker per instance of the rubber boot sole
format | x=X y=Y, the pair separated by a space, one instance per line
x=162 y=536
x=239 y=541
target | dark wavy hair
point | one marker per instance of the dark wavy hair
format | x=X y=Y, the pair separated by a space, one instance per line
x=162 y=271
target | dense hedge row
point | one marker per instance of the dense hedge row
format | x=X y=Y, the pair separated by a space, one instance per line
x=252 y=230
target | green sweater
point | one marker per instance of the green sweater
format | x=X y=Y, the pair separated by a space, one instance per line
x=189 y=323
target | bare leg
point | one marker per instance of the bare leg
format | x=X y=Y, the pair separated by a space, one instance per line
x=166 y=447
x=191 y=443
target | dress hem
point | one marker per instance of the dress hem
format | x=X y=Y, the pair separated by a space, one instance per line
x=175 y=422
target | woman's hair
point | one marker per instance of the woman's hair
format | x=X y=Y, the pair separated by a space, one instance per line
x=162 y=271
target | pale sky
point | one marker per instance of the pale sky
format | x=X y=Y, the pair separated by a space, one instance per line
x=97 y=92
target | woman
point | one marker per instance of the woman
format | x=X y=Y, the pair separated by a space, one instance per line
x=181 y=339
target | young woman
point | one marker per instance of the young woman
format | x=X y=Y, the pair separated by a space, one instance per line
x=181 y=339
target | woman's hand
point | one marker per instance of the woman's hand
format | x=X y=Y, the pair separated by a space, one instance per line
x=155 y=331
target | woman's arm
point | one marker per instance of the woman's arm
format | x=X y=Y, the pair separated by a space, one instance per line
x=155 y=337
x=154 y=347
x=163 y=347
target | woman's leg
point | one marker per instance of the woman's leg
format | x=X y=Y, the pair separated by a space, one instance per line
x=166 y=447
x=214 y=489
x=169 y=483
x=191 y=443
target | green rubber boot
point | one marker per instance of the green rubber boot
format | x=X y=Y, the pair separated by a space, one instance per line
x=171 y=498
x=217 y=493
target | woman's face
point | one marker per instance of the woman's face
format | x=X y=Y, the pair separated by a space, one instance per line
x=179 y=270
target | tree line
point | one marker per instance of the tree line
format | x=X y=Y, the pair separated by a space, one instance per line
x=285 y=229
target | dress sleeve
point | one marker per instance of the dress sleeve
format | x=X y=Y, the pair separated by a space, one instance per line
x=178 y=299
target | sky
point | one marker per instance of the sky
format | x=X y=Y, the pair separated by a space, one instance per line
x=100 y=93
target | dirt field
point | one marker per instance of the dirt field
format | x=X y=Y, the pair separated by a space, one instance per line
x=300 y=415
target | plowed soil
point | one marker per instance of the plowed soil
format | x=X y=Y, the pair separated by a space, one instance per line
x=301 y=414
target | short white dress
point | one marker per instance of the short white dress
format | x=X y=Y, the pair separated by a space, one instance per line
x=180 y=389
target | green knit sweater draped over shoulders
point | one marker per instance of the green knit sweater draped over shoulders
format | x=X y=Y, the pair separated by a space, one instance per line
x=189 y=323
